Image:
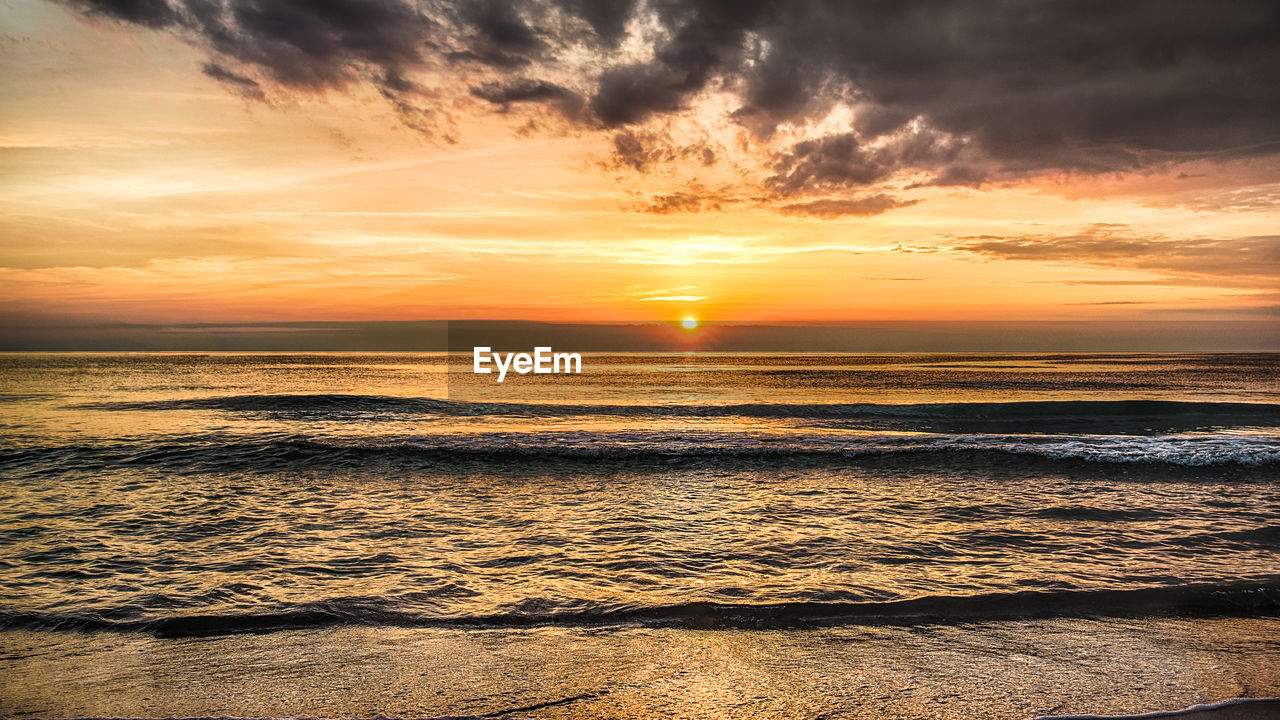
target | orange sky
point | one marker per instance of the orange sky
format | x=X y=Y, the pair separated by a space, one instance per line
x=137 y=188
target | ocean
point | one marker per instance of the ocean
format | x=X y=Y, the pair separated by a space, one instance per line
x=692 y=535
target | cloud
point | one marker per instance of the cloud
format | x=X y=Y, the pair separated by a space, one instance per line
x=1116 y=302
x=843 y=160
x=701 y=199
x=526 y=90
x=1252 y=261
x=642 y=150
x=956 y=93
x=681 y=202
x=247 y=87
x=1262 y=198
x=149 y=13
x=631 y=93
x=836 y=207
x=315 y=45
x=523 y=90
x=695 y=197
x=1264 y=312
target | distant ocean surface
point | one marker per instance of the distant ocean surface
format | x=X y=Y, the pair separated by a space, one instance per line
x=206 y=494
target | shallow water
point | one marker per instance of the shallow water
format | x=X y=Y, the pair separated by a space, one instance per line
x=1008 y=670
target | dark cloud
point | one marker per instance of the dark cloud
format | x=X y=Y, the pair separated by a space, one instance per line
x=393 y=82
x=835 y=161
x=699 y=42
x=499 y=23
x=1231 y=262
x=317 y=45
x=495 y=33
x=843 y=161
x=959 y=93
x=631 y=93
x=1029 y=87
x=521 y=91
x=1089 y=87
x=525 y=90
x=239 y=83
x=637 y=151
x=299 y=44
x=778 y=88
x=643 y=150
x=837 y=207
x=150 y=13
x=607 y=18
x=960 y=174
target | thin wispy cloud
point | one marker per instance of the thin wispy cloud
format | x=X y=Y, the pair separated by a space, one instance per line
x=1225 y=262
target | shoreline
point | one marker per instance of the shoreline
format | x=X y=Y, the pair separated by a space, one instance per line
x=1233 y=709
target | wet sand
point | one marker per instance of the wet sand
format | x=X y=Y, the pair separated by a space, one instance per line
x=1234 y=709
x=1000 y=671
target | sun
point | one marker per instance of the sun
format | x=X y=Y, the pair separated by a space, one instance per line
x=689 y=323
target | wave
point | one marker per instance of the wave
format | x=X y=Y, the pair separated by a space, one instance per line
x=224 y=452
x=1098 y=514
x=1231 y=599
x=1264 y=536
x=1024 y=416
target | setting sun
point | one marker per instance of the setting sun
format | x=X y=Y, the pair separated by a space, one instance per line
x=689 y=323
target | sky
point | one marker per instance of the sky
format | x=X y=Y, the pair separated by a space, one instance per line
x=807 y=161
